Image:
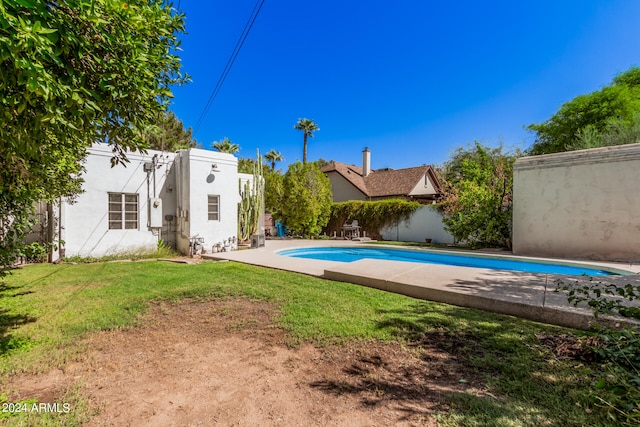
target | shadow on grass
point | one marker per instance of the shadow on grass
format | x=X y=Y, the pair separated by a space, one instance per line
x=7 y=291
x=10 y=321
x=506 y=373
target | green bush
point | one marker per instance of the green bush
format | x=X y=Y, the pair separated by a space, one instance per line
x=35 y=252
x=617 y=388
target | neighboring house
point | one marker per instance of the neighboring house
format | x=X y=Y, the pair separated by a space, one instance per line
x=420 y=184
x=349 y=182
x=158 y=195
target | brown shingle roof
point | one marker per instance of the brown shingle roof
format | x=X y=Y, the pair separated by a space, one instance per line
x=394 y=182
x=351 y=173
x=382 y=183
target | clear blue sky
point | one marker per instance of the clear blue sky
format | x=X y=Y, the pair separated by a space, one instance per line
x=410 y=79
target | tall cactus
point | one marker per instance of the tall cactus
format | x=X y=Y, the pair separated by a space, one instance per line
x=251 y=203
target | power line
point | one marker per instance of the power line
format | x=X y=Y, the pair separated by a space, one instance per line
x=232 y=59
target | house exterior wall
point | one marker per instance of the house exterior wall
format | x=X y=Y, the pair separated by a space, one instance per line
x=342 y=189
x=580 y=204
x=183 y=182
x=85 y=229
x=198 y=179
x=424 y=187
x=424 y=223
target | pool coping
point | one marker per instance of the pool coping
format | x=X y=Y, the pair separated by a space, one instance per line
x=526 y=295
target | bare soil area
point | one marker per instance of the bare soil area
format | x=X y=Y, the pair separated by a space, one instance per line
x=225 y=362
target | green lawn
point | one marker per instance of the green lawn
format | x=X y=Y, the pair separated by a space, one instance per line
x=45 y=309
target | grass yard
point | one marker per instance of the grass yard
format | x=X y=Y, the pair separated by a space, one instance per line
x=47 y=310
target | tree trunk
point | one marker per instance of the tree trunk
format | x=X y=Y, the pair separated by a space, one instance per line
x=304 y=149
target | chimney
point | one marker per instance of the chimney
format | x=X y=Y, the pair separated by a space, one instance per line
x=366 y=161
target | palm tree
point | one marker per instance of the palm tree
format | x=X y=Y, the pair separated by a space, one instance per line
x=225 y=146
x=308 y=127
x=273 y=156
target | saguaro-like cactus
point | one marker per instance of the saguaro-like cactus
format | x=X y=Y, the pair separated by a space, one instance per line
x=251 y=202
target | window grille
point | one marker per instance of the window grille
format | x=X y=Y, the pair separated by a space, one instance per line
x=214 y=208
x=123 y=211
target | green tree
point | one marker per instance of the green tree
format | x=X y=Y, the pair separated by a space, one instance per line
x=273 y=192
x=246 y=165
x=618 y=132
x=307 y=126
x=225 y=146
x=168 y=133
x=273 y=156
x=72 y=73
x=322 y=162
x=306 y=204
x=477 y=195
x=593 y=113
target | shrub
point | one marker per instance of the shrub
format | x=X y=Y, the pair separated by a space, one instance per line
x=617 y=388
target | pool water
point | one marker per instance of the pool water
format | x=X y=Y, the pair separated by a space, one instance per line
x=429 y=257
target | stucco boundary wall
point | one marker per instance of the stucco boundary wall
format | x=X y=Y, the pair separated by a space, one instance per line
x=582 y=204
x=424 y=223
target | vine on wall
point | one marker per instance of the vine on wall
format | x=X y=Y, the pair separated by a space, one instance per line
x=371 y=216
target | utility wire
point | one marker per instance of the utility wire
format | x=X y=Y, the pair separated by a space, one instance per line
x=232 y=59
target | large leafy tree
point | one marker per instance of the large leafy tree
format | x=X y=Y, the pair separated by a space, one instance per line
x=306 y=203
x=590 y=114
x=73 y=72
x=307 y=126
x=225 y=146
x=273 y=192
x=477 y=195
x=618 y=132
x=168 y=133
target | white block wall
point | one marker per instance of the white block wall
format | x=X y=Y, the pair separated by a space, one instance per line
x=424 y=223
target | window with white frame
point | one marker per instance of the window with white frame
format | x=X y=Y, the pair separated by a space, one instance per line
x=123 y=211
x=213 y=208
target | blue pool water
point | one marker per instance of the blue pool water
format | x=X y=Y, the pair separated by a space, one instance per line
x=493 y=263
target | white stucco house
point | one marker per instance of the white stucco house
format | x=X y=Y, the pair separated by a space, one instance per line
x=157 y=195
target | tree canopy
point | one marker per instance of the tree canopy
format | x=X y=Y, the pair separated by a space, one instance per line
x=595 y=113
x=477 y=195
x=167 y=133
x=306 y=203
x=225 y=146
x=74 y=72
x=307 y=126
x=273 y=156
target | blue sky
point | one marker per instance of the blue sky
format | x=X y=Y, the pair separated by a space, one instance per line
x=410 y=79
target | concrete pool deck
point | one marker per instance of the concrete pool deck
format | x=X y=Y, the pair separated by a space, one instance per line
x=527 y=295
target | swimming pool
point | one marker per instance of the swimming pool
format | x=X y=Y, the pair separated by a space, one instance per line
x=344 y=254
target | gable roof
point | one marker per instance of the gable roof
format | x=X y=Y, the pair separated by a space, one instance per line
x=394 y=182
x=351 y=173
x=384 y=182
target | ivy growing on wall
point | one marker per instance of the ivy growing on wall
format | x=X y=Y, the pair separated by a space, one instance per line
x=371 y=216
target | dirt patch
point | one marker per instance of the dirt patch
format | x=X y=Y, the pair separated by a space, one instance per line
x=227 y=363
